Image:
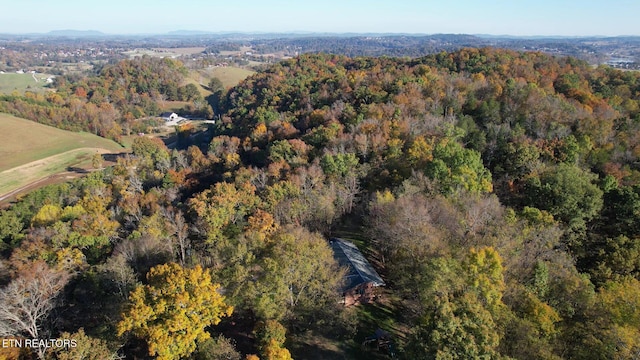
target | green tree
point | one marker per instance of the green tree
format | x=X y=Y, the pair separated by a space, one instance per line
x=516 y=158
x=614 y=325
x=455 y=167
x=217 y=349
x=299 y=279
x=458 y=328
x=269 y=330
x=172 y=311
x=10 y=229
x=86 y=348
x=460 y=315
x=215 y=85
x=271 y=338
x=339 y=164
x=224 y=209
x=620 y=211
x=567 y=192
x=188 y=92
x=151 y=151
x=610 y=258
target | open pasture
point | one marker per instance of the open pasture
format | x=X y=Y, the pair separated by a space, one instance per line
x=10 y=82
x=23 y=141
x=30 y=151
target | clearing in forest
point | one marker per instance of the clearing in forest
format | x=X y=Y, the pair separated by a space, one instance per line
x=30 y=151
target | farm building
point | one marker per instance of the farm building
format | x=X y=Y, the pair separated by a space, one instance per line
x=169 y=116
x=361 y=279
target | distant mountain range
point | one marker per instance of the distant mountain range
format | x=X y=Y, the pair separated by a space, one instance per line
x=182 y=32
x=75 y=33
x=189 y=32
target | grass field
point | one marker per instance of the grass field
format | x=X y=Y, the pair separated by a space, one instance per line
x=31 y=152
x=23 y=141
x=199 y=80
x=22 y=82
x=29 y=173
x=230 y=76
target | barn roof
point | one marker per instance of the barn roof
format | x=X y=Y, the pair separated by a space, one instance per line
x=359 y=269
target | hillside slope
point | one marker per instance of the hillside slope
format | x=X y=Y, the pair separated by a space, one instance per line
x=23 y=141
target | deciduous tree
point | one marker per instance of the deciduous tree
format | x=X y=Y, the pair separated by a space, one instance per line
x=27 y=301
x=172 y=311
x=299 y=279
x=567 y=192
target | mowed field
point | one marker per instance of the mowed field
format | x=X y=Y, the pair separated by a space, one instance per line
x=30 y=151
x=22 y=82
x=229 y=76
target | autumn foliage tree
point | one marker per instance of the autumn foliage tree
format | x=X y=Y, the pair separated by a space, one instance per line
x=173 y=309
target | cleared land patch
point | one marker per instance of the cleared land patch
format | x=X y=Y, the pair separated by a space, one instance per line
x=230 y=76
x=10 y=82
x=23 y=141
x=22 y=176
x=31 y=152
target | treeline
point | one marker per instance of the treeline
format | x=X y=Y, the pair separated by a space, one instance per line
x=424 y=45
x=352 y=46
x=498 y=191
x=110 y=104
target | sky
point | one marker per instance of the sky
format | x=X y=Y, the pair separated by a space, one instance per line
x=494 y=17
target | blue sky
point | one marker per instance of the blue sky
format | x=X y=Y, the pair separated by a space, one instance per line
x=497 y=17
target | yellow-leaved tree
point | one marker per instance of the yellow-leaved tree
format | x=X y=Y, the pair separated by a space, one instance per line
x=172 y=311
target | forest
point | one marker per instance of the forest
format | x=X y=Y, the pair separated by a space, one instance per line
x=124 y=98
x=497 y=193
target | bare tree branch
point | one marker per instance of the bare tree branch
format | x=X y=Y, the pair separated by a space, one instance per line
x=27 y=301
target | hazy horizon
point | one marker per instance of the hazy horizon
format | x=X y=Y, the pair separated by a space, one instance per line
x=301 y=32
x=563 y=18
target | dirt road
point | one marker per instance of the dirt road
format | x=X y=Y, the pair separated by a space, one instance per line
x=43 y=172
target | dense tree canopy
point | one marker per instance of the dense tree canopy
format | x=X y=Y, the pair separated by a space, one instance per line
x=495 y=191
x=172 y=311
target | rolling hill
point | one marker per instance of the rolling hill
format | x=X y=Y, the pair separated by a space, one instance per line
x=30 y=151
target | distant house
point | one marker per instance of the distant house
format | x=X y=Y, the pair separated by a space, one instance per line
x=169 y=116
x=361 y=280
